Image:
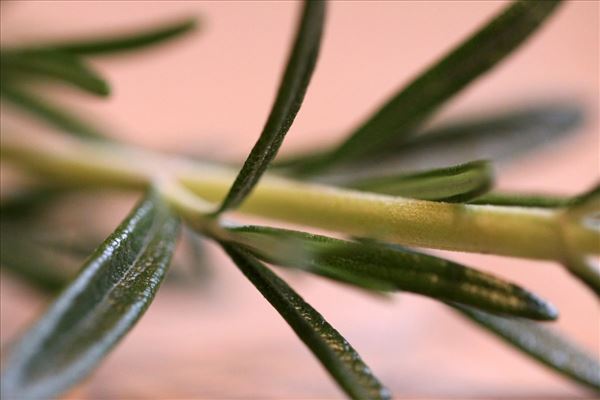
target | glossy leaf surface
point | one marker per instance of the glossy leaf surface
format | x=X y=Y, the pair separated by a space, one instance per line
x=111 y=292
x=379 y=267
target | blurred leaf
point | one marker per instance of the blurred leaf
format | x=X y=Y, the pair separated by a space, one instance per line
x=109 y=295
x=522 y=200
x=36 y=265
x=458 y=183
x=24 y=203
x=49 y=113
x=583 y=210
x=582 y=269
x=399 y=117
x=124 y=41
x=536 y=200
x=191 y=265
x=379 y=267
x=23 y=250
x=291 y=92
x=542 y=344
x=496 y=137
x=54 y=65
x=334 y=352
x=587 y=202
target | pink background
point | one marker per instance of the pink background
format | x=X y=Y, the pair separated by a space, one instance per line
x=210 y=93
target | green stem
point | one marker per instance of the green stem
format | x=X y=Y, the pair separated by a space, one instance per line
x=510 y=231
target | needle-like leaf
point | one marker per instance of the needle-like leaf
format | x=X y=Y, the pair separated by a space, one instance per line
x=291 y=92
x=523 y=200
x=334 y=352
x=583 y=209
x=55 y=65
x=43 y=265
x=379 y=267
x=124 y=41
x=485 y=49
x=52 y=114
x=196 y=261
x=112 y=291
x=543 y=344
x=31 y=263
x=535 y=200
x=582 y=269
x=453 y=184
x=18 y=204
x=405 y=111
x=587 y=202
x=497 y=137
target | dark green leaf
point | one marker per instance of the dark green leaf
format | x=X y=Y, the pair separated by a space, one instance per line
x=23 y=251
x=36 y=265
x=405 y=111
x=585 y=210
x=589 y=198
x=113 y=289
x=523 y=200
x=50 y=64
x=334 y=352
x=453 y=184
x=496 y=137
x=123 y=41
x=542 y=344
x=23 y=203
x=535 y=200
x=291 y=92
x=582 y=269
x=379 y=267
x=51 y=114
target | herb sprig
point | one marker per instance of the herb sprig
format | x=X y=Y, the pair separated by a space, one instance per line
x=378 y=213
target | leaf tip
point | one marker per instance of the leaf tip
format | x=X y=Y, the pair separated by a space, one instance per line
x=541 y=310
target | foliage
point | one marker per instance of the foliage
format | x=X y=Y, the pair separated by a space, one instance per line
x=380 y=214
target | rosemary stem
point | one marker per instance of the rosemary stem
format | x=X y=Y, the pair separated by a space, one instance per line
x=509 y=231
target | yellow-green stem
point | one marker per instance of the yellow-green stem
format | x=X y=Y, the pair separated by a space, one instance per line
x=509 y=231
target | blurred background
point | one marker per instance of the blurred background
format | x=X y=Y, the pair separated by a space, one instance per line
x=209 y=93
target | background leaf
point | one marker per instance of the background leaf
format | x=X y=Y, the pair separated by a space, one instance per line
x=334 y=352
x=405 y=111
x=37 y=265
x=535 y=200
x=542 y=344
x=523 y=200
x=109 y=295
x=51 y=114
x=291 y=92
x=123 y=41
x=54 y=65
x=380 y=267
x=22 y=251
x=458 y=183
x=497 y=136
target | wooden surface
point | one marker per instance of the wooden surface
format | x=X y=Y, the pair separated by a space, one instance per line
x=211 y=93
